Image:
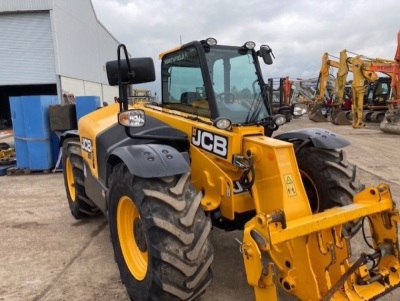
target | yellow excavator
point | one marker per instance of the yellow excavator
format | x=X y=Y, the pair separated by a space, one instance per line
x=337 y=96
x=365 y=75
x=369 y=91
x=315 y=111
x=364 y=70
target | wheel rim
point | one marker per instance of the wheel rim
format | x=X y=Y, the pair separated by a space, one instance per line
x=132 y=238
x=312 y=192
x=70 y=178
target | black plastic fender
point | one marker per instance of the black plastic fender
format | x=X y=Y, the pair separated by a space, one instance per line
x=320 y=138
x=68 y=134
x=152 y=160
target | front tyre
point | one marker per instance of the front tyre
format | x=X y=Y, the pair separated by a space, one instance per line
x=80 y=205
x=329 y=180
x=160 y=236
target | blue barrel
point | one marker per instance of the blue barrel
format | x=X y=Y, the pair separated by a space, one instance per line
x=21 y=146
x=32 y=135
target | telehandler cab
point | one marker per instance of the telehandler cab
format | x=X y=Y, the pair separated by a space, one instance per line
x=165 y=173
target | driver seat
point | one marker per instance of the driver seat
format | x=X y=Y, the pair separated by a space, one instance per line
x=188 y=98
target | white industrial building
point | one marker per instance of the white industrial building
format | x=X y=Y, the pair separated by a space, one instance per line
x=50 y=47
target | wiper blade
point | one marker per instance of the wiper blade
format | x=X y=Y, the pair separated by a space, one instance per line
x=255 y=109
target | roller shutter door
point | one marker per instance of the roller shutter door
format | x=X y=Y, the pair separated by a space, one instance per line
x=26 y=49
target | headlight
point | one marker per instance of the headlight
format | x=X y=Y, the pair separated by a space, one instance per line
x=279 y=119
x=222 y=123
x=132 y=118
x=299 y=109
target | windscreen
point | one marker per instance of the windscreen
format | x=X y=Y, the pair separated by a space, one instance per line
x=236 y=85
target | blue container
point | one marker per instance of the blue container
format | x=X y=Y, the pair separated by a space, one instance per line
x=85 y=105
x=21 y=147
x=32 y=135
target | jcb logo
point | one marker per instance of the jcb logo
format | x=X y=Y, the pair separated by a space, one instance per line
x=210 y=142
x=87 y=145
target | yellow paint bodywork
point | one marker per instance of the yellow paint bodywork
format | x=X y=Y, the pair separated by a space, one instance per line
x=214 y=175
x=312 y=253
x=93 y=124
x=309 y=254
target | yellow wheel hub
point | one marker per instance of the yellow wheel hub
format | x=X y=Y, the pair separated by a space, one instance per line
x=132 y=238
x=70 y=178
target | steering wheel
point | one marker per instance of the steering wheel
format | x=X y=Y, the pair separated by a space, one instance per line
x=226 y=97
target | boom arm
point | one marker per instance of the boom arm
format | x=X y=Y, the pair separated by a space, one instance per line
x=341 y=77
x=324 y=76
x=315 y=113
x=364 y=69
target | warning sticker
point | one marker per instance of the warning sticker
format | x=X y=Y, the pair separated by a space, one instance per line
x=290 y=188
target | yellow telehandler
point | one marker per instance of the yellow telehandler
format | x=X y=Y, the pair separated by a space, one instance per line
x=166 y=173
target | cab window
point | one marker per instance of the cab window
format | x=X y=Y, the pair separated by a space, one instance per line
x=183 y=83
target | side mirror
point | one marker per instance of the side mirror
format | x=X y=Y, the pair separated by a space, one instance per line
x=266 y=53
x=142 y=71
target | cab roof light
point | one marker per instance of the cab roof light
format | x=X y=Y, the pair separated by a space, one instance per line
x=249 y=45
x=211 y=41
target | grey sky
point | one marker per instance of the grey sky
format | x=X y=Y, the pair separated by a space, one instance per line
x=298 y=32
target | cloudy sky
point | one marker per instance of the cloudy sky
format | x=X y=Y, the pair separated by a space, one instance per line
x=298 y=31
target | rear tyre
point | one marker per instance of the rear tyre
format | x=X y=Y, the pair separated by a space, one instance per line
x=330 y=180
x=80 y=205
x=160 y=236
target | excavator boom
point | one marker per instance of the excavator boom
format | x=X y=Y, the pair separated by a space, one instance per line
x=338 y=116
x=315 y=112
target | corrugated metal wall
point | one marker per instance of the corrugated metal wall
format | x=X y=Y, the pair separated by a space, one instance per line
x=54 y=42
x=21 y=5
x=26 y=49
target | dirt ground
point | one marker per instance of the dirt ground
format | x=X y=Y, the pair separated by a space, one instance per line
x=48 y=255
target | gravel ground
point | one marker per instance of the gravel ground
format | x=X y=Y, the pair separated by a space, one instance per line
x=47 y=255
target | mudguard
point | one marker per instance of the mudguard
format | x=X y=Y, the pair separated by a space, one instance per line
x=152 y=160
x=320 y=138
x=68 y=134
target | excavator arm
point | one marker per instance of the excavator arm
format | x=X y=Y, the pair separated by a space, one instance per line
x=365 y=70
x=338 y=116
x=315 y=113
x=341 y=77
